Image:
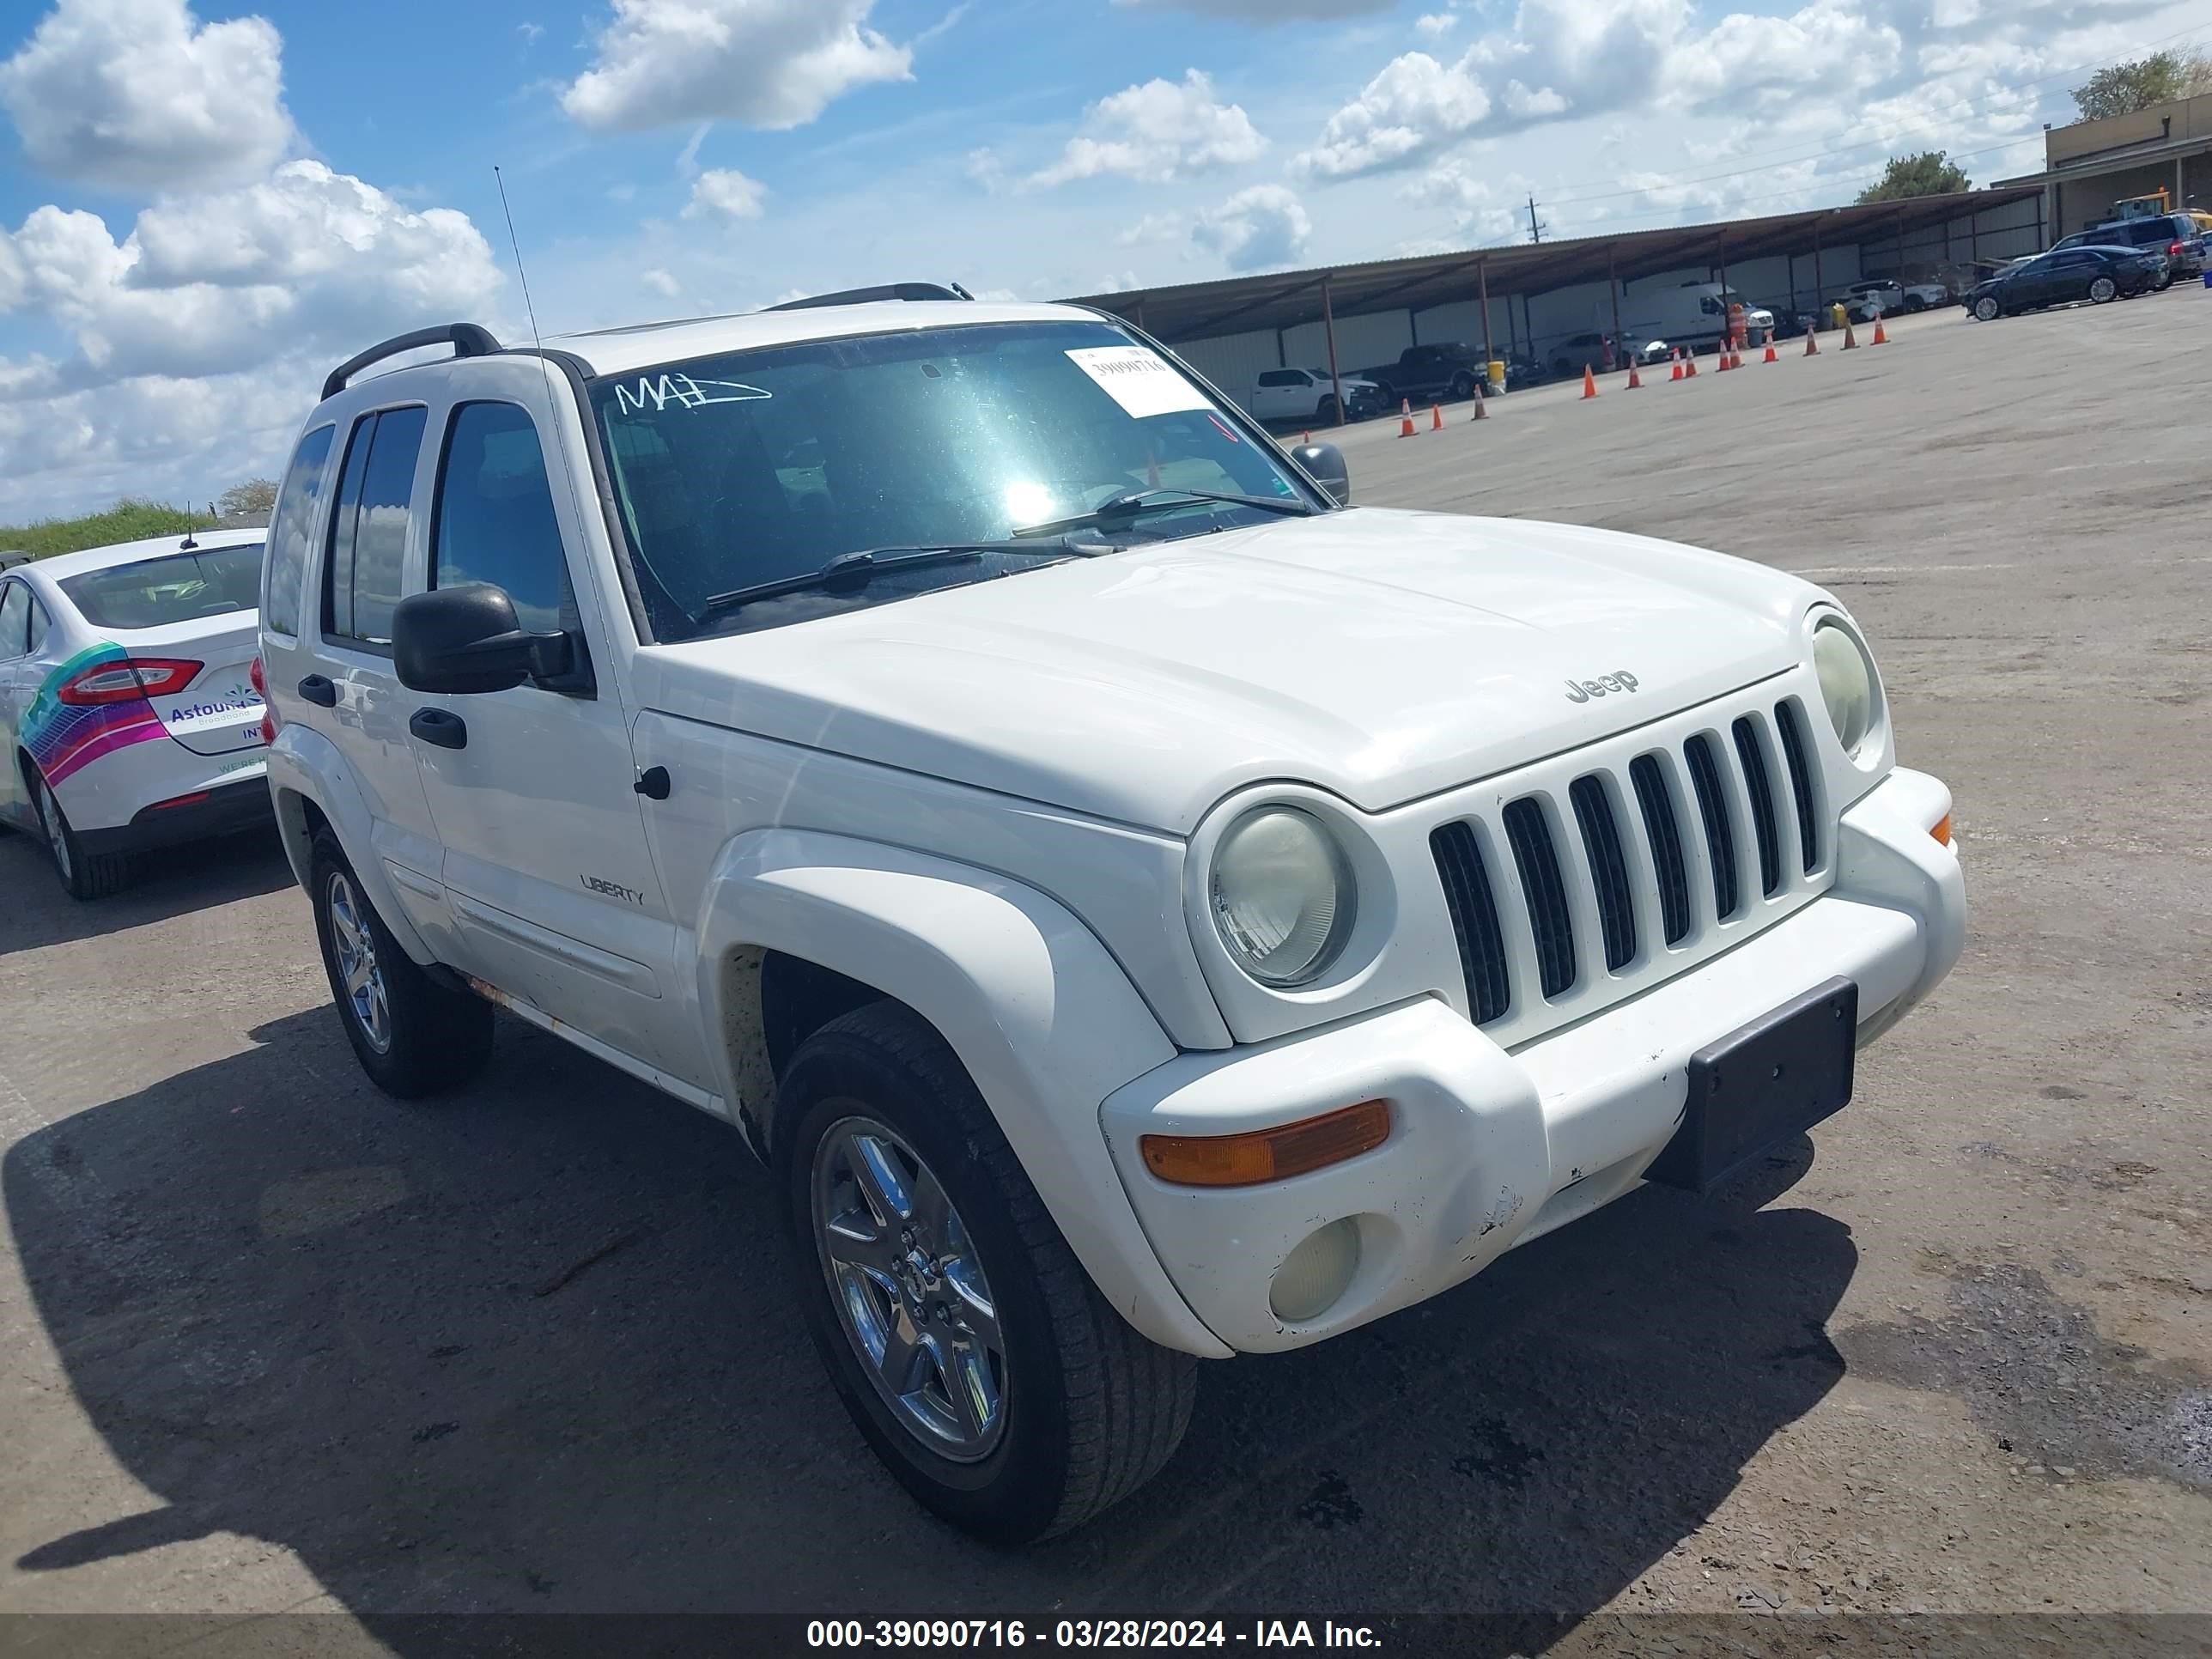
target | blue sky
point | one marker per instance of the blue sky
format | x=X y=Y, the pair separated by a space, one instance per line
x=202 y=206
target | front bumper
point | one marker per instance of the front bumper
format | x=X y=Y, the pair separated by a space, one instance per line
x=1489 y=1148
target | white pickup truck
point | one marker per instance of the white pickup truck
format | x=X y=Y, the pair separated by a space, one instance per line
x=1141 y=907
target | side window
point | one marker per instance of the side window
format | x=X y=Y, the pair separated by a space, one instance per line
x=496 y=520
x=368 y=531
x=1278 y=377
x=289 y=529
x=14 y=620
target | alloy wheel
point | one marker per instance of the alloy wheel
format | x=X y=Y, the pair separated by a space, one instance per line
x=910 y=1288
x=355 y=945
x=50 y=815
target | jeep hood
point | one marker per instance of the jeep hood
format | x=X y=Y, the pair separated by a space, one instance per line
x=1381 y=655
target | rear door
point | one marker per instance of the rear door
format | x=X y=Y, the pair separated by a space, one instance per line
x=15 y=693
x=554 y=893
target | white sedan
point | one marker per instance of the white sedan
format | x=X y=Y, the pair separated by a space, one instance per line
x=128 y=706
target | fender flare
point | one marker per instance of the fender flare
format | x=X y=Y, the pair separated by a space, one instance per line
x=304 y=762
x=1885 y=854
x=1036 y=1010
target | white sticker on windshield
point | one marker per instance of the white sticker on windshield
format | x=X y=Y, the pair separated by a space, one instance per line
x=1139 y=379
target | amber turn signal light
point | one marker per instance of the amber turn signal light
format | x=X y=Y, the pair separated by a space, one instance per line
x=1942 y=829
x=1276 y=1154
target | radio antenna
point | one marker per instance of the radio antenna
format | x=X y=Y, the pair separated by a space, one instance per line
x=545 y=369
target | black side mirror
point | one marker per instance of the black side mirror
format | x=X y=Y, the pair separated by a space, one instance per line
x=1324 y=465
x=460 y=640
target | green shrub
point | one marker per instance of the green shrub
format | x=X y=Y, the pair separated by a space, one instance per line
x=130 y=519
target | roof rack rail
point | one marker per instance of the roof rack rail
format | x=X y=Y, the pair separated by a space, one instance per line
x=860 y=296
x=467 y=340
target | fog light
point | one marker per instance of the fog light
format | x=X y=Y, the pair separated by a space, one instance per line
x=1314 y=1275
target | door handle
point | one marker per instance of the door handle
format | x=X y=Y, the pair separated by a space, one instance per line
x=319 y=689
x=436 y=726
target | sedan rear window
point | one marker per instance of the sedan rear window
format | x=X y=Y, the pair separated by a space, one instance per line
x=210 y=581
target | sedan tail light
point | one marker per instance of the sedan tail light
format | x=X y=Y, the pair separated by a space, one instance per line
x=260 y=680
x=128 y=680
x=2174 y=253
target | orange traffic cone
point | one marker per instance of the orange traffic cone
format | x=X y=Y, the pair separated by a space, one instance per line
x=1589 y=382
x=1406 y=418
x=1850 y=338
x=1812 y=342
x=1881 y=334
x=1482 y=407
x=1677 y=374
x=1770 y=358
x=1634 y=379
x=1435 y=417
x=1307 y=440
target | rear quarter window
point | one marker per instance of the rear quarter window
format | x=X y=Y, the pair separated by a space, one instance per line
x=210 y=581
x=291 y=532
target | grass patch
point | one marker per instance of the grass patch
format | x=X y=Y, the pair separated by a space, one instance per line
x=129 y=520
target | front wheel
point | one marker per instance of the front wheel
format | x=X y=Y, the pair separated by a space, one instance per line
x=966 y=1341
x=1987 y=310
x=2103 y=291
x=1325 y=412
x=413 y=1035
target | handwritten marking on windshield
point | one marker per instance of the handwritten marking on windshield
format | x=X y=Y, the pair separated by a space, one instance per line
x=659 y=391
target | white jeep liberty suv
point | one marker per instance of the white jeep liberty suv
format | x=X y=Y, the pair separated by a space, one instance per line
x=1141 y=907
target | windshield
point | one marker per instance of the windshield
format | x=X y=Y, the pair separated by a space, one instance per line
x=747 y=468
x=214 y=581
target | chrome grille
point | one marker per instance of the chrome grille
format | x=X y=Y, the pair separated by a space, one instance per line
x=1635 y=854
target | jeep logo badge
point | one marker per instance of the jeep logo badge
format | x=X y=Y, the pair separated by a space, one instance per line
x=1584 y=690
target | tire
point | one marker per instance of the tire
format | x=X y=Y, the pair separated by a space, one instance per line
x=1325 y=412
x=423 y=1037
x=1987 y=310
x=1914 y=302
x=2103 y=290
x=1084 y=1411
x=2160 y=284
x=1385 y=394
x=84 y=875
x=1463 y=385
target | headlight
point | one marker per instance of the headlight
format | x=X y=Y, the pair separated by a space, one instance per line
x=1281 y=894
x=1847 y=683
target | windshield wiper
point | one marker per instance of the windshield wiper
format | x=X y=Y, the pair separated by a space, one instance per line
x=1131 y=503
x=853 y=571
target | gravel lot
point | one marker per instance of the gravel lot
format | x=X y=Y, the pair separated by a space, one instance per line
x=269 y=1343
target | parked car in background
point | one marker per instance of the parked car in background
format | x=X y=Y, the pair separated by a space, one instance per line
x=2062 y=276
x=1139 y=910
x=1309 y=395
x=1424 y=374
x=1594 y=350
x=1887 y=297
x=2176 y=235
x=9 y=558
x=128 y=716
x=1692 y=315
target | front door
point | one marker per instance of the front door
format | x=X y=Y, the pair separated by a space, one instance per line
x=15 y=694
x=552 y=886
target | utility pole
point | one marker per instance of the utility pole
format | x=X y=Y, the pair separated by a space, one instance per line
x=1535 y=230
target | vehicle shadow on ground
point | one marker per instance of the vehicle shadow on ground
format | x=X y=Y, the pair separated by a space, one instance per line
x=535 y=1350
x=198 y=876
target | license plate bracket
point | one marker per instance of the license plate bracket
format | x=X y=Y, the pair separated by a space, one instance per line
x=1762 y=1085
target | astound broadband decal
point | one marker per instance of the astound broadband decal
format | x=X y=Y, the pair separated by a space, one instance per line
x=65 y=738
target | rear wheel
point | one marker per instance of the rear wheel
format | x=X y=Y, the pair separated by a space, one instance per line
x=413 y=1035
x=1325 y=412
x=964 y=1339
x=83 y=875
x=1463 y=385
x=2103 y=290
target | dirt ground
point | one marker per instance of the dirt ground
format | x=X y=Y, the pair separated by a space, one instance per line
x=271 y=1344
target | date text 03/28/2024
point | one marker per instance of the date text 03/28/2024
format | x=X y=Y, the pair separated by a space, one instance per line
x=941 y=1633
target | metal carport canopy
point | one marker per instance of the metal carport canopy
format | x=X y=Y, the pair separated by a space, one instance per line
x=1197 y=311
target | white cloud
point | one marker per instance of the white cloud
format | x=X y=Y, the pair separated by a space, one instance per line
x=1264 y=11
x=1434 y=23
x=660 y=283
x=773 y=64
x=1255 y=229
x=725 y=193
x=308 y=258
x=1415 y=107
x=1480 y=209
x=1157 y=131
x=1152 y=228
x=140 y=95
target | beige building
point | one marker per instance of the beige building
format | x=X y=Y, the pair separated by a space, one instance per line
x=2093 y=164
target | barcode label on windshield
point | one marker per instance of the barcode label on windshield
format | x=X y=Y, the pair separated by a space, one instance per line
x=1139 y=379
